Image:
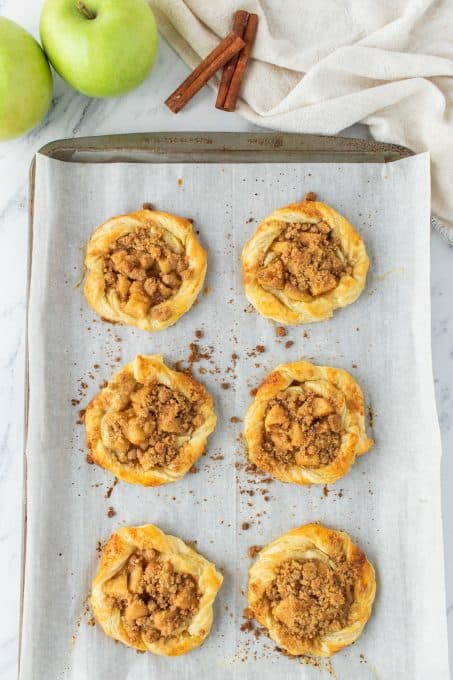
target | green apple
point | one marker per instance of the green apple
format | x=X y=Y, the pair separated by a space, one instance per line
x=102 y=48
x=25 y=81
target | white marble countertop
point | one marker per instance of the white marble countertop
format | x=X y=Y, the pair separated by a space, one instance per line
x=72 y=114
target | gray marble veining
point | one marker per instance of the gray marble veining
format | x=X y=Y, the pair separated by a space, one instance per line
x=72 y=114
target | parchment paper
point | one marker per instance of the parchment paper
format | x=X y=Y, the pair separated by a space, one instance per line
x=389 y=502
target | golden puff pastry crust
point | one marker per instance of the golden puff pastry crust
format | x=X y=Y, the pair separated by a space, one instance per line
x=313 y=590
x=154 y=592
x=145 y=269
x=306 y=424
x=150 y=423
x=304 y=261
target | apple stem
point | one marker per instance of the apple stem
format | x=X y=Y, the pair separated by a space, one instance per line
x=84 y=9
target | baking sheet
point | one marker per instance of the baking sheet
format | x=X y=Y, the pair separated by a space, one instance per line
x=389 y=502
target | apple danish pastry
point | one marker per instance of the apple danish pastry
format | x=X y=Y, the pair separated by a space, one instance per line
x=313 y=590
x=304 y=261
x=149 y=424
x=145 y=269
x=306 y=424
x=154 y=592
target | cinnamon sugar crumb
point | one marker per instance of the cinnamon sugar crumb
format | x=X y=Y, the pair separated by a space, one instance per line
x=196 y=354
x=289 y=343
x=111 y=512
x=254 y=550
x=281 y=332
x=246 y=626
x=245 y=526
x=109 y=491
x=225 y=386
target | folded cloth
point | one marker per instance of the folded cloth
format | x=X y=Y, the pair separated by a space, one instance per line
x=322 y=65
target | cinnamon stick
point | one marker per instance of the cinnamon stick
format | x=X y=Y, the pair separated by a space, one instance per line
x=241 y=65
x=219 y=56
x=239 y=25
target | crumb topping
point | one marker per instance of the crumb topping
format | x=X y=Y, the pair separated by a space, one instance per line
x=145 y=268
x=308 y=598
x=305 y=260
x=155 y=601
x=253 y=551
x=302 y=428
x=146 y=425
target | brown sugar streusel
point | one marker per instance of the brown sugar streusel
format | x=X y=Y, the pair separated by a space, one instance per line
x=308 y=598
x=148 y=429
x=306 y=259
x=302 y=428
x=144 y=270
x=155 y=601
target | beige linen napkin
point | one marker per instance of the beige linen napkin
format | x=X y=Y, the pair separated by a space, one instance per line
x=322 y=65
